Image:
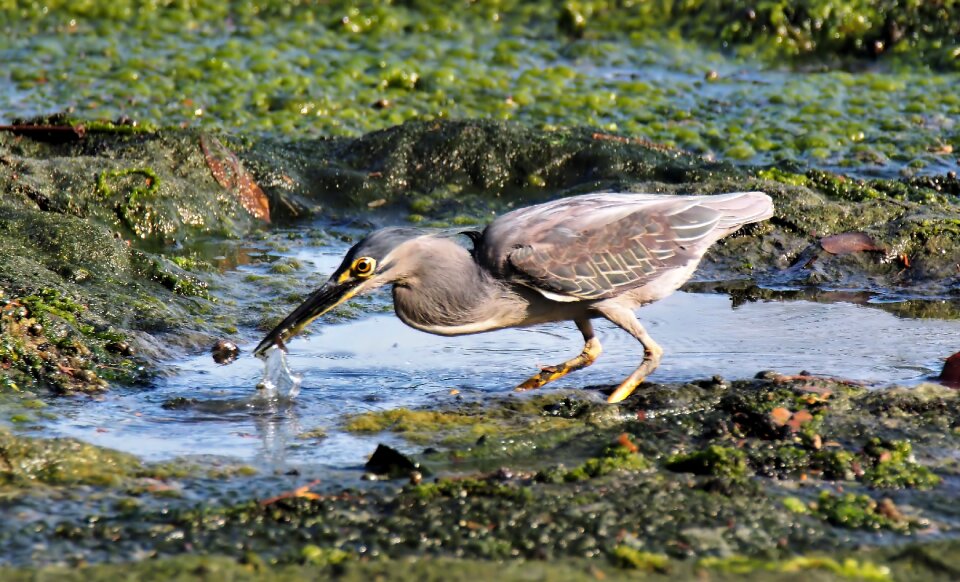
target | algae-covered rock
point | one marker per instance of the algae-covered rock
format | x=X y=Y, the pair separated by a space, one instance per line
x=415 y=161
x=714 y=460
x=25 y=461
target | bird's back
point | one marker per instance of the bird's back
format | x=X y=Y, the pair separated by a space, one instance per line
x=599 y=245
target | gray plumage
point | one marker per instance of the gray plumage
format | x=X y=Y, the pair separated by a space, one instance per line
x=578 y=258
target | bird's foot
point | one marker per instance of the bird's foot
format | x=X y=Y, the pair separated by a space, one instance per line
x=591 y=351
x=546 y=375
x=626 y=388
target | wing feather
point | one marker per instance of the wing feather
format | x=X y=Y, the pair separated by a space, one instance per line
x=599 y=245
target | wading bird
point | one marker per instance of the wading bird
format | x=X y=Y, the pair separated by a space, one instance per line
x=577 y=258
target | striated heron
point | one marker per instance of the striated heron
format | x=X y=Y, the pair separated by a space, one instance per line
x=577 y=258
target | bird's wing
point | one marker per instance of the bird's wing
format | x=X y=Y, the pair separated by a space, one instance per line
x=596 y=246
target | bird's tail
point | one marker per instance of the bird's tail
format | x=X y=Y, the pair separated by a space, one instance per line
x=739 y=208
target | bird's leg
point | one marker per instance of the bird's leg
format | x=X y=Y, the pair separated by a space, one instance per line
x=591 y=351
x=627 y=320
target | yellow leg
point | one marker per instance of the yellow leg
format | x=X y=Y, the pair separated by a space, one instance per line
x=651 y=359
x=652 y=352
x=591 y=351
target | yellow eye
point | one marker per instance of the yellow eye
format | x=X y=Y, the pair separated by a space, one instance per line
x=363 y=267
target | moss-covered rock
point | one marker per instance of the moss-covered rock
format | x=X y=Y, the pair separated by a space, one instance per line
x=715 y=461
x=25 y=461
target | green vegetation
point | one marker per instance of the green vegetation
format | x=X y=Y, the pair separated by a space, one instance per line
x=891 y=466
x=27 y=461
x=856 y=511
x=631 y=558
x=849 y=569
x=614 y=458
x=715 y=461
x=536 y=62
x=505 y=420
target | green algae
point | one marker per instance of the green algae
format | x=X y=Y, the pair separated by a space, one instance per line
x=855 y=511
x=714 y=460
x=505 y=421
x=848 y=569
x=415 y=425
x=317 y=556
x=615 y=458
x=892 y=466
x=132 y=202
x=46 y=342
x=631 y=558
x=506 y=60
x=26 y=461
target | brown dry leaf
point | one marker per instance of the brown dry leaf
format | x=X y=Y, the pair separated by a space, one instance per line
x=849 y=242
x=800 y=418
x=822 y=391
x=780 y=416
x=303 y=492
x=229 y=173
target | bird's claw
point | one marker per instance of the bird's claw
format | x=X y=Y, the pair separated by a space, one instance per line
x=546 y=375
x=625 y=389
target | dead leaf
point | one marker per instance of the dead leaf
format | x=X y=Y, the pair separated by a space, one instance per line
x=303 y=492
x=800 y=418
x=780 y=416
x=229 y=173
x=822 y=391
x=849 y=242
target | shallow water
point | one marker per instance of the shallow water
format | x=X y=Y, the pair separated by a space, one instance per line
x=376 y=362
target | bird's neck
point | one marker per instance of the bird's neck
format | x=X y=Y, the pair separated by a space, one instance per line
x=450 y=294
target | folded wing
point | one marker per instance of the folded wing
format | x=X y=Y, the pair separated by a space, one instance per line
x=597 y=246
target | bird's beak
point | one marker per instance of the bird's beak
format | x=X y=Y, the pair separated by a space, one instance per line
x=322 y=300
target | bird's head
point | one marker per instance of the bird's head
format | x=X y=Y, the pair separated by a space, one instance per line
x=379 y=259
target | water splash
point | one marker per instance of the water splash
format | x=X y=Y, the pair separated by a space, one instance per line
x=278 y=380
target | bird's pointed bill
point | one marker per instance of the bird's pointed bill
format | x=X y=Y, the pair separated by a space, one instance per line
x=330 y=295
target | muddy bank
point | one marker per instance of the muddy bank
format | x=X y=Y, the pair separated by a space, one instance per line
x=772 y=476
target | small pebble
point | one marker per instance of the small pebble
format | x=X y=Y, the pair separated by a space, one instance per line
x=225 y=352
